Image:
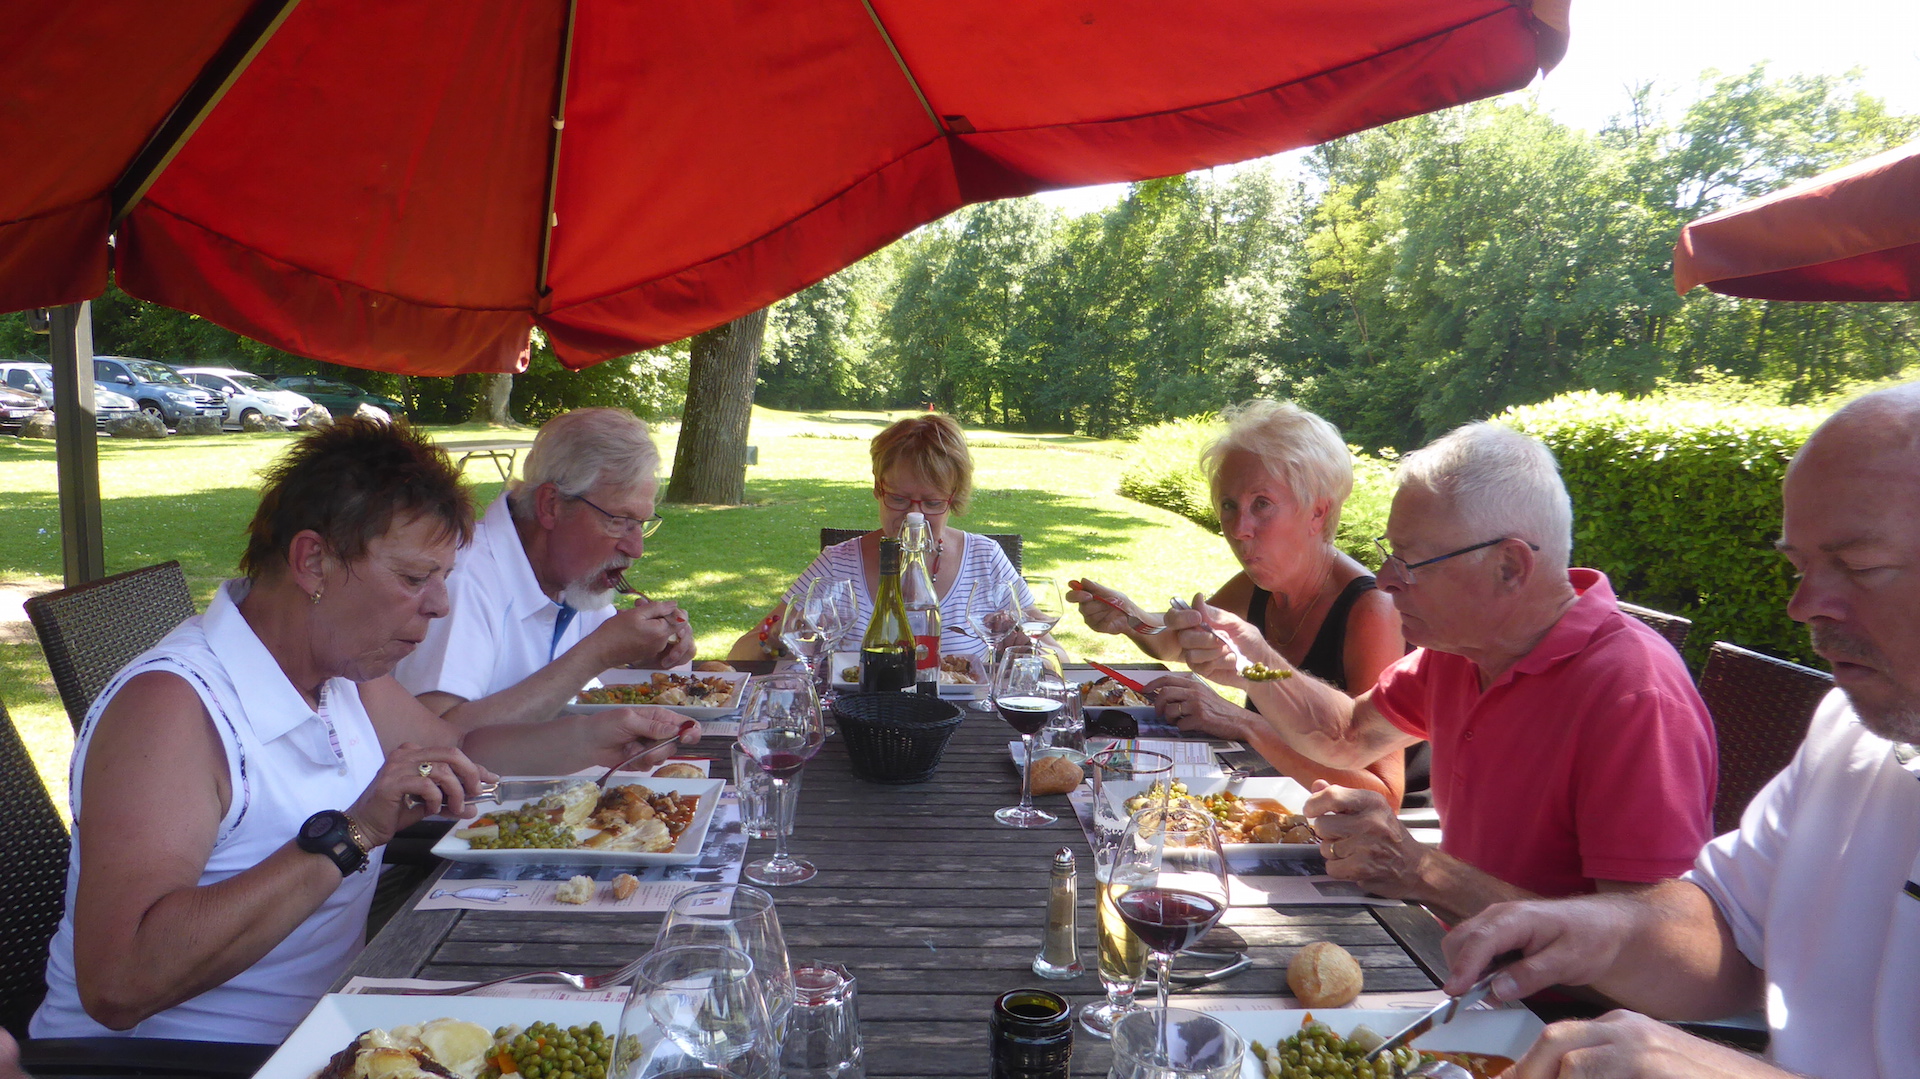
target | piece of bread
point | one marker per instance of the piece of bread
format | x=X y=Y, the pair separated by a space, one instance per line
x=1055 y=775
x=1324 y=975
x=679 y=770
x=713 y=666
x=625 y=885
x=575 y=890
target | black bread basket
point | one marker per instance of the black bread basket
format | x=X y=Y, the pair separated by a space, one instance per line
x=895 y=737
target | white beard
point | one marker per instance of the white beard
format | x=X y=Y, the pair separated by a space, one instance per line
x=585 y=596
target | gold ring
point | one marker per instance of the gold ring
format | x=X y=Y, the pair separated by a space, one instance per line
x=426 y=768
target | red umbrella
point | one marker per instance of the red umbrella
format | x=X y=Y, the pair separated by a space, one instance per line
x=1849 y=234
x=383 y=185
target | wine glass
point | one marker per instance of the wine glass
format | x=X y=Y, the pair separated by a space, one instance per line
x=839 y=613
x=1043 y=607
x=1169 y=881
x=1028 y=688
x=801 y=628
x=986 y=619
x=696 y=1010
x=781 y=729
x=1123 y=956
x=736 y=916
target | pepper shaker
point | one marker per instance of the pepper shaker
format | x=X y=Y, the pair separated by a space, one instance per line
x=1060 y=949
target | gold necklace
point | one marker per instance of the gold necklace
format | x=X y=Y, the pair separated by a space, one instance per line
x=1313 y=597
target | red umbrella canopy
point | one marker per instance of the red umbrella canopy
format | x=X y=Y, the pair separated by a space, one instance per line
x=1849 y=234
x=374 y=188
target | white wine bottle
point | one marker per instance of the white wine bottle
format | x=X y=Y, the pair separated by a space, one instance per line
x=886 y=652
x=922 y=603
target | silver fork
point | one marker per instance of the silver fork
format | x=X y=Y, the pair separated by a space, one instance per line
x=1138 y=626
x=585 y=983
x=1240 y=661
x=621 y=586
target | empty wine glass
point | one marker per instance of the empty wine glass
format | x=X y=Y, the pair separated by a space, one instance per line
x=736 y=916
x=1169 y=881
x=802 y=627
x=1028 y=688
x=781 y=728
x=986 y=619
x=696 y=1010
x=839 y=615
x=1042 y=607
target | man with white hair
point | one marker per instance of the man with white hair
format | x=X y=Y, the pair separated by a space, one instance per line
x=1571 y=753
x=532 y=596
x=1812 y=908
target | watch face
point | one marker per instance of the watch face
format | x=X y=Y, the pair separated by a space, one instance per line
x=317 y=826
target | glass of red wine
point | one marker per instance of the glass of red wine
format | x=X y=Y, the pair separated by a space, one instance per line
x=1169 y=881
x=781 y=728
x=1028 y=689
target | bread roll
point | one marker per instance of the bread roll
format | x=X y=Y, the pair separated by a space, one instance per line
x=713 y=666
x=1324 y=975
x=679 y=771
x=1055 y=775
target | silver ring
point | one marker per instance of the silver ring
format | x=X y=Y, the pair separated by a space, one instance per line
x=426 y=769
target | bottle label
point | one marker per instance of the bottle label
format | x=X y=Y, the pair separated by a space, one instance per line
x=926 y=653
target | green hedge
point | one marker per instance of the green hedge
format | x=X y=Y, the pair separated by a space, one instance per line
x=1164 y=471
x=1678 y=502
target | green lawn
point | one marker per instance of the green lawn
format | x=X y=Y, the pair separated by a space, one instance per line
x=190 y=498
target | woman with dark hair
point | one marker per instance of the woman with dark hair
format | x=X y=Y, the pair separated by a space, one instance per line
x=232 y=788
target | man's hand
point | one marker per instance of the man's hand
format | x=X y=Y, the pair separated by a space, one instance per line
x=651 y=634
x=1363 y=841
x=1103 y=617
x=1203 y=650
x=615 y=734
x=1191 y=705
x=414 y=783
x=1628 y=1045
x=1565 y=941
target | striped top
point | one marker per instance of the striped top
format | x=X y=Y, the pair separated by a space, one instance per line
x=981 y=560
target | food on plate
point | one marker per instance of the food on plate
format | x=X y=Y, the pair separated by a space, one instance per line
x=451 y=1047
x=679 y=770
x=624 y=885
x=956 y=670
x=667 y=688
x=577 y=889
x=1260 y=672
x=1055 y=774
x=1324 y=975
x=1104 y=692
x=1240 y=820
x=713 y=666
x=1316 y=1052
x=624 y=818
x=850 y=673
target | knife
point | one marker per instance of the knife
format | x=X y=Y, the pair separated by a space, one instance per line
x=1118 y=677
x=1444 y=1012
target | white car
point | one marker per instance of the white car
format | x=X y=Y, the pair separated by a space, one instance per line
x=248 y=393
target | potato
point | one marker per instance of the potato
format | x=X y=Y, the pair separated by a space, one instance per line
x=1324 y=975
x=1055 y=775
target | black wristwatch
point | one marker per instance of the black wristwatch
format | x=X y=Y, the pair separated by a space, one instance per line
x=334 y=834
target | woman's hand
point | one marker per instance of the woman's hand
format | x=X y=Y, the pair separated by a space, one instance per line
x=1103 y=617
x=1192 y=705
x=416 y=782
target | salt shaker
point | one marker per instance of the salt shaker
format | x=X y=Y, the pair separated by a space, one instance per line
x=1060 y=950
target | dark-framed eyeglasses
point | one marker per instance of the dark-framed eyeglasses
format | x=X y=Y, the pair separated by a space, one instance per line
x=902 y=502
x=1405 y=568
x=620 y=527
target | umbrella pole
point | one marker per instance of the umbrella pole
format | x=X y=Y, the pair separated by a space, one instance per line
x=548 y=222
x=75 y=449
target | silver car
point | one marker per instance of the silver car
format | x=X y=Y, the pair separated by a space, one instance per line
x=249 y=394
x=37 y=378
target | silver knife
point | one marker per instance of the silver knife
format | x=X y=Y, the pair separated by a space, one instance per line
x=1444 y=1012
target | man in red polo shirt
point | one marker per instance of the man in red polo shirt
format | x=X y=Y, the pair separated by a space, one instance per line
x=1571 y=753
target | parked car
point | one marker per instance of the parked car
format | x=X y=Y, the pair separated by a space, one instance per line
x=37 y=378
x=16 y=406
x=341 y=398
x=249 y=395
x=159 y=390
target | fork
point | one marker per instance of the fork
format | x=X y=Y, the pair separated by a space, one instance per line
x=1240 y=661
x=621 y=586
x=585 y=983
x=1143 y=628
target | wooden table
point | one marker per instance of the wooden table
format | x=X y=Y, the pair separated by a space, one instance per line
x=934 y=906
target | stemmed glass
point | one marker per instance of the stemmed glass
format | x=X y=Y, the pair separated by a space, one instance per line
x=1169 y=881
x=781 y=729
x=839 y=611
x=736 y=916
x=1043 y=609
x=1123 y=957
x=696 y=1010
x=1028 y=688
x=802 y=628
x=987 y=619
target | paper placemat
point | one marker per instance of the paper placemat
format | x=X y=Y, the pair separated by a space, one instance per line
x=531 y=886
x=1412 y=1000
x=523 y=990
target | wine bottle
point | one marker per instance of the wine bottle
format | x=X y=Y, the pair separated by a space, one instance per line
x=886 y=652
x=922 y=604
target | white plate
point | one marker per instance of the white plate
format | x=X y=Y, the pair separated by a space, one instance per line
x=341 y=1017
x=1503 y=1032
x=685 y=849
x=955 y=691
x=1019 y=752
x=622 y=676
x=1288 y=792
x=1143 y=713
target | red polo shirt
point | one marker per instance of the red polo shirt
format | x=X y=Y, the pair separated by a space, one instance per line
x=1593 y=758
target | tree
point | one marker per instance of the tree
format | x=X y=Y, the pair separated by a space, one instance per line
x=710 y=462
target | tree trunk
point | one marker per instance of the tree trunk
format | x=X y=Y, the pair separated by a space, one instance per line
x=499 y=392
x=710 y=462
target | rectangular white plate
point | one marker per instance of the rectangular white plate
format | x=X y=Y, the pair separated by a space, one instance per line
x=1143 y=713
x=341 y=1017
x=958 y=692
x=1503 y=1032
x=685 y=849
x=620 y=676
x=1288 y=792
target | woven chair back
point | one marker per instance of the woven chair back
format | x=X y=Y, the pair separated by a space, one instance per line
x=1010 y=542
x=1671 y=626
x=1761 y=707
x=33 y=877
x=92 y=630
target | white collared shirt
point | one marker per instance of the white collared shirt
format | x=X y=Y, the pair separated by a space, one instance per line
x=285 y=762
x=500 y=628
x=1814 y=884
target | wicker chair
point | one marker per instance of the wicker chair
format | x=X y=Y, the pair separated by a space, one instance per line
x=1009 y=542
x=1761 y=707
x=1671 y=626
x=92 y=630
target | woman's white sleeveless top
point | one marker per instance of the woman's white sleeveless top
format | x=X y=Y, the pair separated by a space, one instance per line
x=285 y=762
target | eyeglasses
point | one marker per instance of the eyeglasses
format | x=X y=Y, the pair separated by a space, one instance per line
x=621 y=527
x=902 y=502
x=1405 y=568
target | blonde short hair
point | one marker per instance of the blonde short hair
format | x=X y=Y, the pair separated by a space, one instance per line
x=1298 y=448
x=579 y=450
x=933 y=446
